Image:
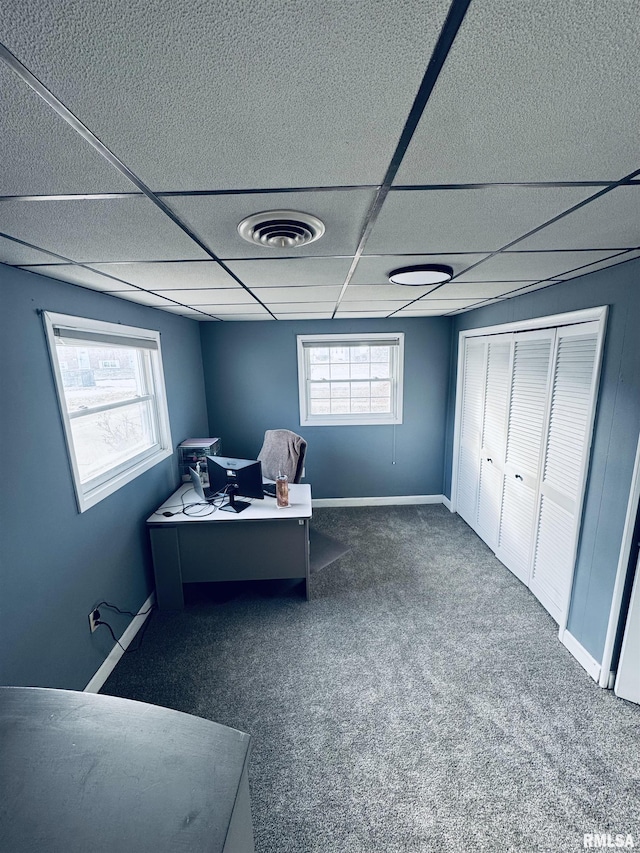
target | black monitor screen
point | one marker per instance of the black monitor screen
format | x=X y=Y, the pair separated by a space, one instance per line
x=235 y=478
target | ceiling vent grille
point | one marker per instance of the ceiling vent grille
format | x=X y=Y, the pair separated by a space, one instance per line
x=281 y=229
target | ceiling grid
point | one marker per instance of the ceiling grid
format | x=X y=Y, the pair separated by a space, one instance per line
x=499 y=140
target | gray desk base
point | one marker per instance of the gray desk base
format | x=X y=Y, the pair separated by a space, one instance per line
x=84 y=772
x=258 y=549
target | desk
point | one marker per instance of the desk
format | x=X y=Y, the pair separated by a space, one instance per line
x=85 y=772
x=262 y=542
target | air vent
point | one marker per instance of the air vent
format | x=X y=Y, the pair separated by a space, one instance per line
x=281 y=229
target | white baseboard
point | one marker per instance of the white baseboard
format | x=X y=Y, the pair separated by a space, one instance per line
x=447 y=503
x=116 y=652
x=387 y=500
x=581 y=655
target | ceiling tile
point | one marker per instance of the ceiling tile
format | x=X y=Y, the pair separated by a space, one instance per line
x=542 y=91
x=15 y=253
x=613 y=261
x=478 y=289
x=302 y=307
x=171 y=275
x=437 y=305
x=307 y=315
x=387 y=305
x=124 y=229
x=82 y=276
x=215 y=219
x=42 y=154
x=350 y=315
x=249 y=318
x=220 y=296
x=234 y=95
x=465 y=220
x=143 y=297
x=193 y=313
x=375 y=269
x=610 y=222
x=374 y=292
x=272 y=295
x=513 y=266
x=279 y=272
x=220 y=310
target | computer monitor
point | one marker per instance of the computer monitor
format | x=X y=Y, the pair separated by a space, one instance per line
x=235 y=477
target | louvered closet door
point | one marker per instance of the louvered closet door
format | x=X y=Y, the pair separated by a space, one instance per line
x=565 y=457
x=525 y=431
x=494 y=437
x=473 y=385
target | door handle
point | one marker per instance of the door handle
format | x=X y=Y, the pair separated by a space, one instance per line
x=489 y=459
x=518 y=477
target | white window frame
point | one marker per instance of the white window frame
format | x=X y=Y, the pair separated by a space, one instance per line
x=98 y=331
x=393 y=339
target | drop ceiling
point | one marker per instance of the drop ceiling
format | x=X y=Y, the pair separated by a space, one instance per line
x=498 y=138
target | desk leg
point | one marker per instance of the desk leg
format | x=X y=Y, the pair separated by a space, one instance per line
x=307 y=559
x=166 y=566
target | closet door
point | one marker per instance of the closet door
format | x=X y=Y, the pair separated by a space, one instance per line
x=473 y=387
x=532 y=353
x=565 y=457
x=494 y=437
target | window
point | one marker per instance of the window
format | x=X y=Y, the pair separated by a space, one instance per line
x=112 y=400
x=350 y=379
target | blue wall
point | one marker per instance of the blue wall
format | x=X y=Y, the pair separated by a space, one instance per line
x=251 y=377
x=615 y=436
x=55 y=563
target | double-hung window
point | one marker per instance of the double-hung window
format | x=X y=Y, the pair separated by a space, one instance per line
x=350 y=379
x=110 y=386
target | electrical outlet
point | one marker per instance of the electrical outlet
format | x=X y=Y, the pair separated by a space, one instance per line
x=94 y=616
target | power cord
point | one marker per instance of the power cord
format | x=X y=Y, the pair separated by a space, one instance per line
x=98 y=621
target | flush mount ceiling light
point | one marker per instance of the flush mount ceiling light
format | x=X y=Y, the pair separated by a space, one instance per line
x=421 y=274
x=281 y=229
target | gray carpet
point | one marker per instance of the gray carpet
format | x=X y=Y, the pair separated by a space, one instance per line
x=324 y=549
x=421 y=700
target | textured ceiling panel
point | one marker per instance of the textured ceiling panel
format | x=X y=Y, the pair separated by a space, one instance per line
x=235 y=98
x=216 y=218
x=535 y=91
x=41 y=154
x=477 y=289
x=15 y=253
x=266 y=94
x=193 y=313
x=81 y=275
x=242 y=318
x=272 y=295
x=442 y=305
x=252 y=310
x=610 y=222
x=623 y=257
x=375 y=292
x=291 y=272
x=375 y=269
x=220 y=296
x=307 y=315
x=388 y=305
x=302 y=307
x=513 y=266
x=171 y=276
x=145 y=298
x=351 y=315
x=478 y=220
x=98 y=229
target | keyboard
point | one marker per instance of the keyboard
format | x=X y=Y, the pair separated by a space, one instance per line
x=269 y=489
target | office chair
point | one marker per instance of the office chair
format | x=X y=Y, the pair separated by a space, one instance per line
x=282 y=452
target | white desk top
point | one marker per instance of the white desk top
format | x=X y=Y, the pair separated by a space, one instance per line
x=186 y=499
